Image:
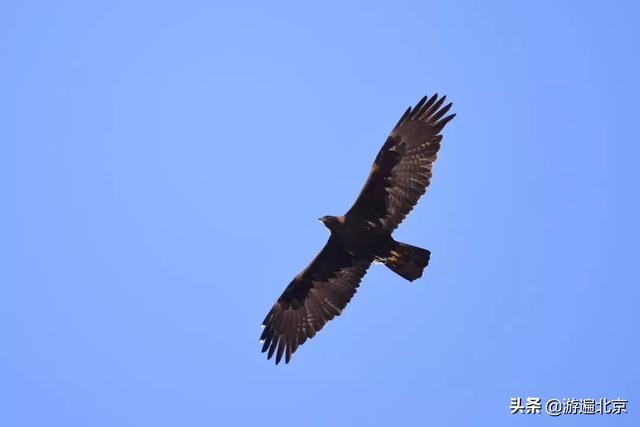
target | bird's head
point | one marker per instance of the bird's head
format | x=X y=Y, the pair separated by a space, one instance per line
x=332 y=222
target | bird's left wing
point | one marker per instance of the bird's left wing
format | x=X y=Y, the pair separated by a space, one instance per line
x=402 y=169
x=313 y=298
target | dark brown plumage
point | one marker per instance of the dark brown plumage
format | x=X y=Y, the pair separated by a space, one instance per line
x=400 y=174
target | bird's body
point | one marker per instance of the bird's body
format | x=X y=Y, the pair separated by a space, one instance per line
x=357 y=236
x=400 y=174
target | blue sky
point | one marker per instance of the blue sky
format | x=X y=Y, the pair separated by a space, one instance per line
x=163 y=167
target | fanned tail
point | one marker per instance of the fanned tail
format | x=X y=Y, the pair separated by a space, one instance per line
x=407 y=261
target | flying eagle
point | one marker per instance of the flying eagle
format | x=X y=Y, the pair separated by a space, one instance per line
x=400 y=174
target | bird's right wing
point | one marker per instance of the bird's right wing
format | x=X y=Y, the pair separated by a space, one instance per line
x=314 y=297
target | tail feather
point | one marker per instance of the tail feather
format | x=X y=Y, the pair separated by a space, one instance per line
x=407 y=261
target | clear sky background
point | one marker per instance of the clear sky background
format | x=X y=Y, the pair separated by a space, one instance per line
x=163 y=167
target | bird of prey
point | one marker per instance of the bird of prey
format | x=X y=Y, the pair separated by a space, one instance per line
x=400 y=174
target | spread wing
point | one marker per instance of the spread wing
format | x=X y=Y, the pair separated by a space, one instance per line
x=402 y=169
x=313 y=297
